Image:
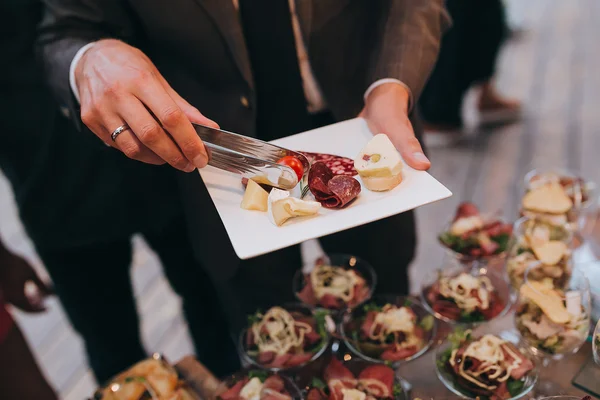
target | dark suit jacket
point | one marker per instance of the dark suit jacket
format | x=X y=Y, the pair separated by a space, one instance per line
x=199 y=47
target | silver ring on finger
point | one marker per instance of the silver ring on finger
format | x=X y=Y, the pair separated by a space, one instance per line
x=118 y=131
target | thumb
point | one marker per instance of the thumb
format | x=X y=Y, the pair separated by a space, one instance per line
x=403 y=137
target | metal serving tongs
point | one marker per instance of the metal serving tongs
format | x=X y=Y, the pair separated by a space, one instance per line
x=251 y=158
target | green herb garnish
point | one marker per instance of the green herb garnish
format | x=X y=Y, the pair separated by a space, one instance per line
x=457 y=243
x=371 y=307
x=255 y=318
x=427 y=323
x=514 y=387
x=130 y=379
x=471 y=316
x=502 y=241
x=262 y=375
x=407 y=302
x=317 y=383
x=397 y=390
x=321 y=322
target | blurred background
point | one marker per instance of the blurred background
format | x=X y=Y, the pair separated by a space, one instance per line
x=550 y=62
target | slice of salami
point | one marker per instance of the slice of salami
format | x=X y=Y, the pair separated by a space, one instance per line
x=332 y=191
x=318 y=176
x=345 y=188
x=337 y=164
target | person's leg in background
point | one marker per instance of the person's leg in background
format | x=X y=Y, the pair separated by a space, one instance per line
x=388 y=245
x=94 y=286
x=20 y=376
x=201 y=304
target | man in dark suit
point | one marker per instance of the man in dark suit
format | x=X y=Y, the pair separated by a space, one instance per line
x=79 y=202
x=136 y=70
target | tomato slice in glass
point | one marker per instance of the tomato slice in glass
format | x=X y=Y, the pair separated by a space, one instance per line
x=294 y=164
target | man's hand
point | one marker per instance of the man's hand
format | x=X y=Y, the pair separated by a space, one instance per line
x=15 y=273
x=386 y=111
x=119 y=84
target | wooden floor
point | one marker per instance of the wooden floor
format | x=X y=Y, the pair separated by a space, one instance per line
x=553 y=66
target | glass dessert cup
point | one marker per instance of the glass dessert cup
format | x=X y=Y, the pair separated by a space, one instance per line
x=347 y=262
x=477 y=261
x=352 y=322
x=583 y=194
x=450 y=382
x=554 y=323
x=447 y=308
x=289 y=384
x=520 y=255
x=322 y=346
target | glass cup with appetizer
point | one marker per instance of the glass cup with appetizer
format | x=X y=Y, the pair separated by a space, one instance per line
x=459 y=295
x=354 y=378
x=259 y=384
x=389 y=329
x=539 y=243
x=486 y=366
x=553 y=321
x=596 y=343
x=558 y=196
x=336 y=282
x=284 y=337
x=474 y=238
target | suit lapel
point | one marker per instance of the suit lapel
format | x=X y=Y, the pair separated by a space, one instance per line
x=227 y=20
x=304 y=9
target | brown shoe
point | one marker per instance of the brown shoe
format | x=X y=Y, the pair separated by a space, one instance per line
x=495 y=109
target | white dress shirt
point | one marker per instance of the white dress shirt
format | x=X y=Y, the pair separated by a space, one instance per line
x=314 y=98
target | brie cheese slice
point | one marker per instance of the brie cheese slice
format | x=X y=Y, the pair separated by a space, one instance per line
x=255 y=197
x=379 y=159
x=281 y=207
x=252 y=389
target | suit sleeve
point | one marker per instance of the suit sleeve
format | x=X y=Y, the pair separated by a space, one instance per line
x=67 y=26
x=410 y=42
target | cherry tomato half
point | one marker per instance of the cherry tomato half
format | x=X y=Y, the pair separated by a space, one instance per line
x=294 y=164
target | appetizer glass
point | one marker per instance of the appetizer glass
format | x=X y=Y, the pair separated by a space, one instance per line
x=289 y=384
x=356 y=364
x=583 y=193
x=546 y=338
x=292 y=308
x=448 y=379
x=349 y=329
x=596 y=343
x=501 y=286
x=475 y=262
x=347 y=262
x=520 y=256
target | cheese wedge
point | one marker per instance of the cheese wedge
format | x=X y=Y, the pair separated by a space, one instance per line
x=255 y=197
x=282 y=207
x=550 y=253
x=549 y=198
x=379 y=164
x=548 y=300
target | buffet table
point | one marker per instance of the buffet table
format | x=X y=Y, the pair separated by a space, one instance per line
x=555 y=378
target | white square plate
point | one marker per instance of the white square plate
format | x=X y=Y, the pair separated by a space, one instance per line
x=251 y=232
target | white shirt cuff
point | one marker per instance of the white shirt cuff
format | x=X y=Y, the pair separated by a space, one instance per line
x=390 y=80
x=73 y=66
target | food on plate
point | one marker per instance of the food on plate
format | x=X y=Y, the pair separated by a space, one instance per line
x=257 y=385
x=281 y=207
x=338 y=165
x=379 y=164
x=473 y=235
x=255 y=197
x=149 y=379
x=283 y=339
x=388 y=333
x=555 y=197
x=551 y=320
x=374 y=382
x=544 y=245
x=465 y=298
x=334 y=287
x=294 y=163
x=332 y=191
x=487 y=366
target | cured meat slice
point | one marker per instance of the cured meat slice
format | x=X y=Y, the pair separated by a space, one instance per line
x=345 y=188
x=337 y=371
x=233 y=392
x=338 y=165
x=316 y=394
x=332 y=191
x=378 y=380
